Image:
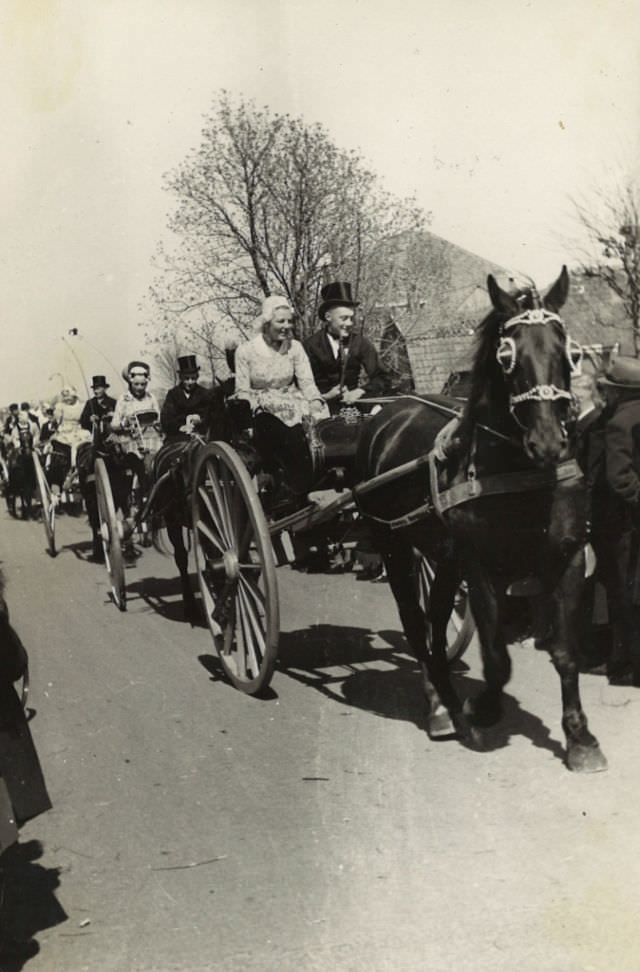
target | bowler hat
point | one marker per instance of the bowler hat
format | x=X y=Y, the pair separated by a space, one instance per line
x=337 y=294
x=99 y=381
x=187 y=364
x=623 y=372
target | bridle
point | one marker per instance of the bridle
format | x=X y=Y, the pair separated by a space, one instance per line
x=506 y=356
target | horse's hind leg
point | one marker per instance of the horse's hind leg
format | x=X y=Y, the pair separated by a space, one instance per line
x=400 y=562
x=583 y=750
x=181 y=557
x=486 y=604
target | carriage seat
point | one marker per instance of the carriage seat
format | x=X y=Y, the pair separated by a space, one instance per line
x=332 y=445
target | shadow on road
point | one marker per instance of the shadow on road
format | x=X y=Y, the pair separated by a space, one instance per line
x=331 y=659
x=164 y=596
x=29 y=904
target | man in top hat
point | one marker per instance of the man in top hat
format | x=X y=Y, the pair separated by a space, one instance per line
x=98 y=411
x=621 y=389
x=338 y=355
x=190 y=407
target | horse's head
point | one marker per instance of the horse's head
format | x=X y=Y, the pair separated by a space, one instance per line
x=536 y=359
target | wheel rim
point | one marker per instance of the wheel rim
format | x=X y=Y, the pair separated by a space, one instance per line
x=461 y=624
x=48 y=503
x=236 y=570
x=110 y=534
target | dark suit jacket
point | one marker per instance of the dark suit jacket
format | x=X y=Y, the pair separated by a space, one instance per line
x=205 y=402
x=622 y=441
x=94 y=406
x=361 y=354
x=590 y=453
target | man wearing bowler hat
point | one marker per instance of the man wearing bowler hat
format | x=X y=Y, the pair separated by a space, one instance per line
x=621 y=389
x=338 y=355
x=190 y=407
x=98 y=410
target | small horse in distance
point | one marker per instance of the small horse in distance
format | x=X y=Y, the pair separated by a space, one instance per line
x=21 y=483
x=505 y=506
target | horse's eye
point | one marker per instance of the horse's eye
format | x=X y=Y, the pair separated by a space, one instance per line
x=506 y=355
x=574 y=357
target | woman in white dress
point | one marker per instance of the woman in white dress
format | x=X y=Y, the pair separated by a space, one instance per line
x=69 y=433
x=273 y=374
x=272 y=370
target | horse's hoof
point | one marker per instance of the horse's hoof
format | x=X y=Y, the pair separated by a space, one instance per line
x=482 y=712
x=440 y=724
x=586 y=759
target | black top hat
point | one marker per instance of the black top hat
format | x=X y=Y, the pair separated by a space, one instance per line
x=623 y=372
x=336 y=294
x=99 y=381
x=187 y=364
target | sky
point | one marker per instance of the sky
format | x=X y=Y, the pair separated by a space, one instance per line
x=494 y=114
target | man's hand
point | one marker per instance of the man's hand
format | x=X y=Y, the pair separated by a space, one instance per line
x=351 y=396
x=332 y=393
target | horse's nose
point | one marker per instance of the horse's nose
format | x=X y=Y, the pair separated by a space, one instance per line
x=546 y=450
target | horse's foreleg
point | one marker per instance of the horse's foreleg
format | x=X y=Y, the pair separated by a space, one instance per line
x=400 y=562
x=583 y=750
x=181 y=557
x=486 y=605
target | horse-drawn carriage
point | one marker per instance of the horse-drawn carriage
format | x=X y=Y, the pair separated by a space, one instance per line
x=242 y=514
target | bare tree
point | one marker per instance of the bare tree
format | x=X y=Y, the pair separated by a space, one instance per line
x=612 y=224
x=268 y=204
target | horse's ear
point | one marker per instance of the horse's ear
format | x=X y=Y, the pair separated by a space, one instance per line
x=501 y=300
x=558 y=292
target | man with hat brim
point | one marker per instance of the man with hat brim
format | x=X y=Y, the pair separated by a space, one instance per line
x=190 y=407
x=338 y=355
x=98 y=410
x=621 y=389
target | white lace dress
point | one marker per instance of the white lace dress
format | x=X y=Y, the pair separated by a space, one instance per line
x=279 y=382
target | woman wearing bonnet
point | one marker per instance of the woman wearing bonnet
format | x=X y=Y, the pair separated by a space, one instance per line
x=273 y=374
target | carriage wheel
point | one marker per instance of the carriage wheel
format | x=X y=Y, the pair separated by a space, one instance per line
x=48 y=502
x=4 y=474
x=461 y=624
x=111 y=535
x=236 y=569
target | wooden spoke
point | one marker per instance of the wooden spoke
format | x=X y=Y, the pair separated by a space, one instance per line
x=215 y=519
x=110 y=533
x=213 y=481
x=209 y=534
x=48 y=504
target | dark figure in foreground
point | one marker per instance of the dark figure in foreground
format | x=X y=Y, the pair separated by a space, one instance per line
x=517 y=512
x=26 y=904
x=621 y=388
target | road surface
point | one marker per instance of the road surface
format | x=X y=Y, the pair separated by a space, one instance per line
x=195 y=828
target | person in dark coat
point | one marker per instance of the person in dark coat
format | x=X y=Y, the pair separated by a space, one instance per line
x=621 y=387
x=190 y=407
x=12 y=418
x=595 y=641
x=98 y=411
x=338 y=356
x=49 y=425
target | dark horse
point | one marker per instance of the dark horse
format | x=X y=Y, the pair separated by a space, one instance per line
x=22 y=474
x=519 y=511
